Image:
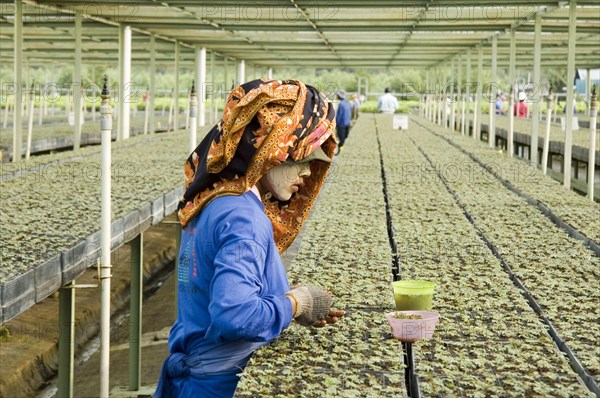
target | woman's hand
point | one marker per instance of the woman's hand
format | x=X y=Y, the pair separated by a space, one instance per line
x=333 y=316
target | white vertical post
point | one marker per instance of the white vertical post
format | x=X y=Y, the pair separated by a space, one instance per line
x=152 y=88
x=592 y=148
x=94 y=94
x=270 y=73
x=125 y=81
x=176 y=104
x=546 y=146
x=459 y=92
x=201 y=82
x=444 y=101
x=187 y=114
x=570 y=94
x=146 y=112
x=468 y=95
x=588 y=92
x=18 y=56
x=68 y=102
x=427 y=83
x=226 y=74
x=511 y=97
x=493 y=94
x=213 y=99
x=527 y=100
x=537 y=61
x=453 y=103
x=77 y=83
x=171 y=101
x=434 y=104
x=41 y=105
x=478 y=96
x=30 y=122
x=440 y=99
x=105 y=237
x=193 y=115
x=241 y=77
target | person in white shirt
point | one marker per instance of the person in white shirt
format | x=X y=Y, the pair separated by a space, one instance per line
x=387 y=103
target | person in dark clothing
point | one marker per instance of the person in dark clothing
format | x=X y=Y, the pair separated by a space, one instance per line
x=343 y=118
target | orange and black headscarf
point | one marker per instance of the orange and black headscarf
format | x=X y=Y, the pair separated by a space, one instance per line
x=264 y=123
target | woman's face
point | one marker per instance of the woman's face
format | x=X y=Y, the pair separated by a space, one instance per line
x=283 y=180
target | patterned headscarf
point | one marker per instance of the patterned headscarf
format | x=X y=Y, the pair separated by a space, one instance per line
x=264 y=123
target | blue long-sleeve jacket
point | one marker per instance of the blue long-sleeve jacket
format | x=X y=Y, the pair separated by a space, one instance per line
x=232 y=282
x=231 y=298
x=343 y=114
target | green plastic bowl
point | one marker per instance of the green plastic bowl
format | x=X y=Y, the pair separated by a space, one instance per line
x=413 y=295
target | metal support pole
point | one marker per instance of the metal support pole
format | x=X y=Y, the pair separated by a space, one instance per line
x=105 y=237
x=452 y=99
x=427 y=84
x=478 y=96
x=66 y=341
x=77 y=84
x=152 y=88
x=146 y=112
x=94 y=94
x=468 y=95
x=537 y=61
x=176 y=91
x=588 y=92
x=213 y=99
x=435 y=98
x=226 y=76
x=592 y=148
x=241 y=77
x=41 y=105
x=445 y=102
x=170 y=122
x=18 y=56
x=124 y=81
x=511 y=97
x=570 y=93
x=30 y=121
x=193 y=115
x=440 y=99
x=270 y=73
x=459 y=93
x=546 y=147
x=201 y=82
x=135 y=309
x=493 y=93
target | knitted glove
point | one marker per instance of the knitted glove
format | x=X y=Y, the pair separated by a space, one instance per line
x=312 y=304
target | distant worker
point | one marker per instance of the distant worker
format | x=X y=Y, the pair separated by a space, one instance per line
x=355 y=106
x=387 y=103
x=500 y=103
x=520 y=108
x=343 y=118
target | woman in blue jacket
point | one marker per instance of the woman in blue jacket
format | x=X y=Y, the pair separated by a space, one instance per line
x=250 y=186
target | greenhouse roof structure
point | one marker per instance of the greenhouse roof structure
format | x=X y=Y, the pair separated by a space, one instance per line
x=309 y=33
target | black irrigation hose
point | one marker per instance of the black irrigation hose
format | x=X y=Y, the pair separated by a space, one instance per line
x=388 y=213
x=411 y=379
x=559 y=222
x=576 y=365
